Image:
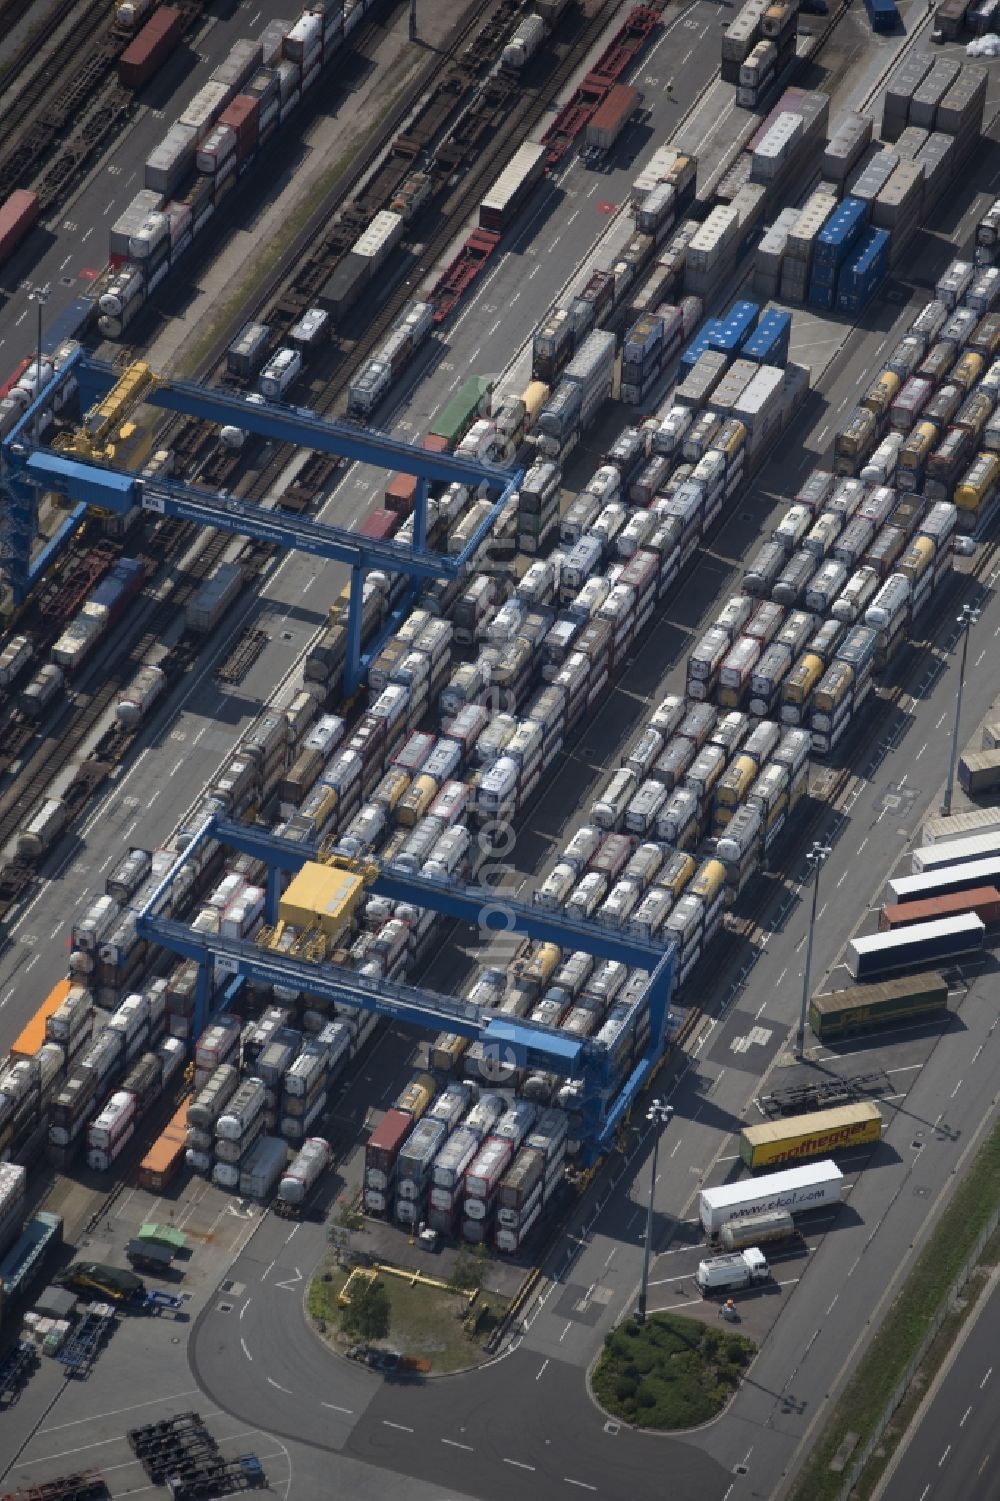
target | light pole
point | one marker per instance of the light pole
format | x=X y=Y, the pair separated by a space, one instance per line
x=814 y=859
x=966 y=620
x=658 y=1115
x=39 y=296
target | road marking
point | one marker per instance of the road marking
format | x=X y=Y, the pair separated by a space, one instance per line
x=940 y=722
x=964 y=1417
x=518 y=1464
x=454 y=1444
x=982 y=1383
x=334 y=1408
x=944 y=1456
x=830 y=1309
x=581 y=1483
x=541 y=1372
x=956 y=1089
x=277 y=1386
x=920 y=751
x=243 y=1310
x=401 y=1426
x=565 y=1332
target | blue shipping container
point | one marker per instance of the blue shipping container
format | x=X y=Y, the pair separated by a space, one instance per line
x=699 y=343
x=841 y=231
x=882 y=14
x=769 y=341
x=735 y=327
x=71 y=323
x=822 y=296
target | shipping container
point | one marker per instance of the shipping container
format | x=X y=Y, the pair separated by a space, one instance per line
x=796 y=1190
x=843 y=1012
x=820 y=1133
x=947 y=939
x=18 y=215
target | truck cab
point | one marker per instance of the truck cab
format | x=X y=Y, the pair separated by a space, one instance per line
x=728 y=1273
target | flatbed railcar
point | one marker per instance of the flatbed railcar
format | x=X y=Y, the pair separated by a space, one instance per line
x=947 y=938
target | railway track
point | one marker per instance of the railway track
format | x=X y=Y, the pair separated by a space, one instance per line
x=501 y=112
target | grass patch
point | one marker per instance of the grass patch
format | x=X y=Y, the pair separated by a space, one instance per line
x=670 y=1372
x=884 y=1363
x=267 y=256
x=427 y=1323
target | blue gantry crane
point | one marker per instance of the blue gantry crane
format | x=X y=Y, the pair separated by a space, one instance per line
x=77 y=468
x=606 y=1090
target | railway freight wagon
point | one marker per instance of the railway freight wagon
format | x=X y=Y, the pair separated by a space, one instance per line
x=813 y=1135
x=865 y=1007
x=797 y=1190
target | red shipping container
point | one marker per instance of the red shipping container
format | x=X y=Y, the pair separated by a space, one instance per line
x=243 y=117
x=400 y=494
x=379 y=524
x=150 y=49
x=984 y=901
x=13 y=379
x=18 y=213
x=387 y=1138
x=434 y=443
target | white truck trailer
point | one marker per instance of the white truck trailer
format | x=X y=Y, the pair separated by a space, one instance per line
x=796 y=1189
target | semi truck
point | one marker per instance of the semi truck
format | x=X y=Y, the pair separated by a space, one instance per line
x=725 y=1274
x=795 y=1190
x=812 y=1135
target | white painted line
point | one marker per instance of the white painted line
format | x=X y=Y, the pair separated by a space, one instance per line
x=565 y=1332
x=956 y=1089
x=944 y=1456
x=334 y=1408
x=964 y=1417
x=454 y=1444
x=982 y=1383
x=277 y=1386
x=541 y=1371
x=401 y=1426
x=581 y=1483
x=116 y=1412
x=518 y=1465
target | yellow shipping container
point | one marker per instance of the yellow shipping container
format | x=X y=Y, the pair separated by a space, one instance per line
x=916 y=560
x=920 y=443
x=412 y=807
x=802 y=679
x=321 y=896
x=834 y=688
x=968 y=370
x=393 y=786
x=417 y=1095
x=534 y=396
x=815 y=1135
x=709 y=881
x=539 y=969
x=980 y=479
x=881 y=393
x=676 y=873
x=733 y=787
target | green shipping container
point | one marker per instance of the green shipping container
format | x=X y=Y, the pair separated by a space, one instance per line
x=866 y=1006
x=458 y=415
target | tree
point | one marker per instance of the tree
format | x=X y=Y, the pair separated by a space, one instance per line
x=368 y=1314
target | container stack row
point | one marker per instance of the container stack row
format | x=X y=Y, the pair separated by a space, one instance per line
x=217 y=139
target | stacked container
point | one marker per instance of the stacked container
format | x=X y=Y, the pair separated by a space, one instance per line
x=237 y=1131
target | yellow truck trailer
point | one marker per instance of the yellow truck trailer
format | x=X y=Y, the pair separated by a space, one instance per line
x=818 y=1134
